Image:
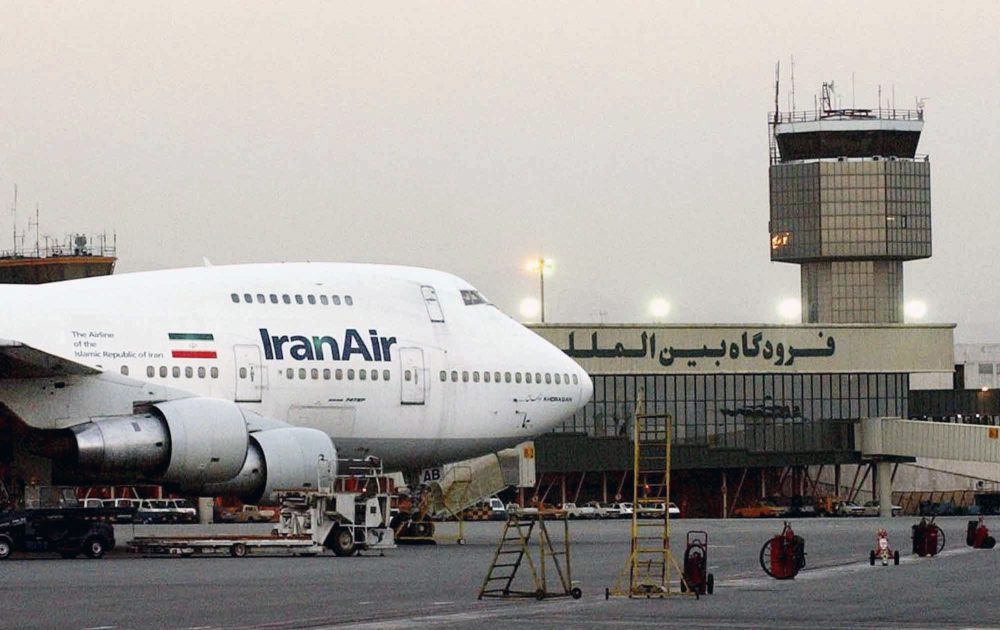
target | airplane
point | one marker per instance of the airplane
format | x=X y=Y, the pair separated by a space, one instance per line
x=235 y=380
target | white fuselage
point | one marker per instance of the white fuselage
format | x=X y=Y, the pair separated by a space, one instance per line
x=408 y=364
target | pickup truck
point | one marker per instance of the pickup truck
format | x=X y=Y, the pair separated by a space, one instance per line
x=249 y=514
x=68 y=532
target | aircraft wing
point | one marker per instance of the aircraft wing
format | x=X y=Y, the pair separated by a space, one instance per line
x=19 y=360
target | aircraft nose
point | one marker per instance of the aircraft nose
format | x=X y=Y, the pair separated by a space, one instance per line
x=586 y=387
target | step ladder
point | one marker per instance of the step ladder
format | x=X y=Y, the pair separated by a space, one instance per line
x=651 y=565
x=514 y=551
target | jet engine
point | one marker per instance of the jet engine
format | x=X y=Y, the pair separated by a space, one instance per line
x=190 y=442
x=279 y=459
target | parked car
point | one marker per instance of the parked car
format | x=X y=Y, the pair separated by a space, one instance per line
x=600 y=509
x=66 y=532
x=624 y=510
x=761 y=509
x=871 y=508
x=579 y=511
x=166 y=511
x=850 y=508
x=609 y=510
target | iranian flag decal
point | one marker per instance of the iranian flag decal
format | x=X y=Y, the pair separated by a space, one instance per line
x=194 y=346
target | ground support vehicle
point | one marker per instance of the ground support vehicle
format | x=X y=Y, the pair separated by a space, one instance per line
x=928 y=539
x=882 y=550
x=346 y=514
x=696 y=575
x=978 y=535
x=67 y=531
x=784 y=555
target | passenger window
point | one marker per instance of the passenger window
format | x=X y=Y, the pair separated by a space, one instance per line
x=312 y=299
x=374 y=375
x=350 y=374
x=176 y=372
x=444 y=376
x=235 y=297
x=548 y=378
x=385 y=375
x=326 y=374
x=289 y=373
x=465 y=376
x=243 y=372
x=454 y=376
x=150 y=371
x=260 y=298
x=189 y=372
x=286 y=298
x=324 y=300
x=339 y=374
x=486 y=377
x=475 y=376
x=336 y=300
x=558 y=380
x=125 y=370
x=407 y=376
x=576 y=381
x=348 y=300
x=215 y=372
x=163 y=371
x=201 y=372
x=517 y=377
x=298 y=299
x=314 y=374
x=527 y=377
x=362 y=374
x=274 y=298
x=248 y=298
x=566 y=378
x=538 y=378
x=302 y=374
x=506 y=377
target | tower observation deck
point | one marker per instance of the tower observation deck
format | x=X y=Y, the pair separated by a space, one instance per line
x=850 y=202
x=80 y=256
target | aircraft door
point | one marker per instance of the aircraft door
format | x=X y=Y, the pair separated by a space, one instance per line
x=433 y=305
x=249 y=376
x=412 y=377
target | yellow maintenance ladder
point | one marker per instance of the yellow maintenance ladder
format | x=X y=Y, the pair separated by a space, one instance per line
x=514 y=549
x=648 y=570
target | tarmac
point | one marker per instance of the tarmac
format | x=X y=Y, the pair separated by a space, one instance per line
x=437 y=586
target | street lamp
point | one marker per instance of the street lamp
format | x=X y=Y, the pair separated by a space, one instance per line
x=659 y=308
x=542 y=266
x=529 y=308
x=790 y=309
x=915 y=309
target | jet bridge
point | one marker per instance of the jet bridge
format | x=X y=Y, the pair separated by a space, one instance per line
x=886 y=440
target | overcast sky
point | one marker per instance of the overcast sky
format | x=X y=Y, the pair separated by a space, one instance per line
x=627 y=141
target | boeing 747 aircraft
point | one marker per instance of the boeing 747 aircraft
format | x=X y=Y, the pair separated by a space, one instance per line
x=235 y=380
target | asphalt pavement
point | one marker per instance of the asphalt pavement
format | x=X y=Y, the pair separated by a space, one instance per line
x=437 y=586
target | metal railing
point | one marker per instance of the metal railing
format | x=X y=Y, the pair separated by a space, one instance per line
x=845 y=114
x=72 y=245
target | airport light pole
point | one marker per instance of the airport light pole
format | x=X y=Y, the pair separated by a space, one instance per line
x=542 y=265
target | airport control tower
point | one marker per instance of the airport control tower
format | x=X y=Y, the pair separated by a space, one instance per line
x=850 y=202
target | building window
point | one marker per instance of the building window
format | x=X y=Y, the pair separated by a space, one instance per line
x=984 y=369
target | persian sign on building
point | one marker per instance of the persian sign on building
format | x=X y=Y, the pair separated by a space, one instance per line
x=647 y=349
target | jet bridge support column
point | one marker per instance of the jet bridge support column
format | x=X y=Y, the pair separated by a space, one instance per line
x=884 y=475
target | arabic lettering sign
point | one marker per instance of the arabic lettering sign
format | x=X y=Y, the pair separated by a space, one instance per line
x=636 y=349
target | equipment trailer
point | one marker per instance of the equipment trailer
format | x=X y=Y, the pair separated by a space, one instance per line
x=346 y=514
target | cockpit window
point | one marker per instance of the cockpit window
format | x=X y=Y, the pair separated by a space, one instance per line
x=473 y=297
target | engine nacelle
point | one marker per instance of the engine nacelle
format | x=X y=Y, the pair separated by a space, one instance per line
x=279 y=459
x=191 y=442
